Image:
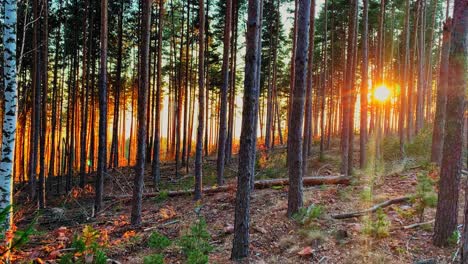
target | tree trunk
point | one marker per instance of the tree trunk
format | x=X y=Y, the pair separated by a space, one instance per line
x=447 y=205
x=295 y=161
x=240 y=246
x=142 y=112
x=10 y=115
x=114 y=155
x=201 y=101
x=102 y=150
x=308 y=102
x=404 y=87
x=439 y=122
x=364 y=86
x=157 y=126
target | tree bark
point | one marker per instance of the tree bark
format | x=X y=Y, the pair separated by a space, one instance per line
x=240 y=246
x=447 y=204
x=364 y=86
x=295 y=161
x=201 y=101
x=102 y=150
x=10 y=115
x=224 y=91
x=142 y=112
x=439 y=121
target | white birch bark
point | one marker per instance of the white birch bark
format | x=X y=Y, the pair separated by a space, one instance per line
x=11 y=103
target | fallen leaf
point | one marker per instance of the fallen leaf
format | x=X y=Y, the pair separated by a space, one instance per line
x=307 y=251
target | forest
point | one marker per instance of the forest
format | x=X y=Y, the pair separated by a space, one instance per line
x=234 y=131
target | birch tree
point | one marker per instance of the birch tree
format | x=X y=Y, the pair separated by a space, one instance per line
x=11 y=104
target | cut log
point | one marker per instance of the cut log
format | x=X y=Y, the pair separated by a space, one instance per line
x=261 y=184
x=372 y=209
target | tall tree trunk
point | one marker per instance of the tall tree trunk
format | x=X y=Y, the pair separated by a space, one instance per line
x=10 y=115
x=201 y=101
x=295 y=161
x=310 y=80
x=102 y=150
x=404 y=87
x=114 y=155
x=421 y=63
x=36 y=100
x=364 y=85
x=84 y=102
x=157 y=129
x=439 y=122
x=224 y=91
x=45 y=54
x=142 y=112
x=347 y=94
x=240 y=244
x=447 y=204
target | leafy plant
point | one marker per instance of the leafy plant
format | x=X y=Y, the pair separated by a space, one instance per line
x=163 y=196
x=154 y=259
x=366 y=194
x=196 y=243
x=86 y=248
x=454 y=239
x=197 y=257
x=425 y=195
x=306 y=215
x=13 y=238
x=158 y=241
x=378 y=226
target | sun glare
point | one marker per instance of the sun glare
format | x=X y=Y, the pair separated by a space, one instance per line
x=382 y=93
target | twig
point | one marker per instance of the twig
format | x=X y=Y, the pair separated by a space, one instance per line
x=372 y=209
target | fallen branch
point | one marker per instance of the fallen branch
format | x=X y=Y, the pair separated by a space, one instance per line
x=418 y=224
x=372 y=209
x=261 y=184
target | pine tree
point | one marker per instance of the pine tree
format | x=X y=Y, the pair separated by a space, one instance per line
x=240 y=244
x=447 y=204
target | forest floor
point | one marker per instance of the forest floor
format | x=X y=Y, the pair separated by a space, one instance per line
x=316 y=238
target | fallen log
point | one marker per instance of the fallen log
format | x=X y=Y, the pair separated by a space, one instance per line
x=372 y=209
x=261 y=184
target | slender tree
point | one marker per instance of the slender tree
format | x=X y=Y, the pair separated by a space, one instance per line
x=10 y=114
x=224 y=91
x=364 y=85
x=201 y=100
x=102 y=150
x=157 y=124
x=295 y=161
x=439 y=121
x=240 y=244
x=310 y=80
x=142 y=112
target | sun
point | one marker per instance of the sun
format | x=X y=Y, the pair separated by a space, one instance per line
x=382 y=93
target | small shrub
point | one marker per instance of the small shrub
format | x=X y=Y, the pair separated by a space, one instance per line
x=163 y=195
x=377 y=227
x=197 y=240
x=85 y=246
x=154 y=259
x=454 y=239
x=366 y=194
x=425 y=195
x=391 y=148
x=420 y=146
x=158 y=241
x=197 y=257
x=306 y=215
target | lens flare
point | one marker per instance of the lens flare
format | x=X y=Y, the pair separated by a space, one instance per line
x=382 y=93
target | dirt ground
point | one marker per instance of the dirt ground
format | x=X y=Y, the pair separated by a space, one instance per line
x=274 y=238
